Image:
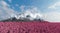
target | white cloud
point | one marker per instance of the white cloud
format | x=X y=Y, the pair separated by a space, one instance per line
x=4 y=3
x=52 y=16
x=10 y=1
x=5 y=10
x=22 y=7
x=53 y=13
x=33 y=12
x=54 y=6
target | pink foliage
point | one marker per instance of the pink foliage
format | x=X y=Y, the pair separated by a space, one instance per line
x=29 y=27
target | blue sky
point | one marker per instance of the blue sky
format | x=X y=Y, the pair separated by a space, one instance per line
x=49 y=8
x=42 y=4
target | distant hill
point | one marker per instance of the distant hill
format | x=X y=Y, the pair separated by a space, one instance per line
x=25 y=16
x=21 y=19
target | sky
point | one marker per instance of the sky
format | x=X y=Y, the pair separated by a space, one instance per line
x=50 y=9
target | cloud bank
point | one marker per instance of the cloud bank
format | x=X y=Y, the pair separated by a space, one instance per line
x=54 y=14
x=55 y=5
x=29 y=12
x=5 y=10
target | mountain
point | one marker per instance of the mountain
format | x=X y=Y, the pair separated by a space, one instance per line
x=21 y=19
x=25 y=16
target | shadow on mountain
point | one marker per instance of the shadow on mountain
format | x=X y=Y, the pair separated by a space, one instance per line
x=17 y=20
